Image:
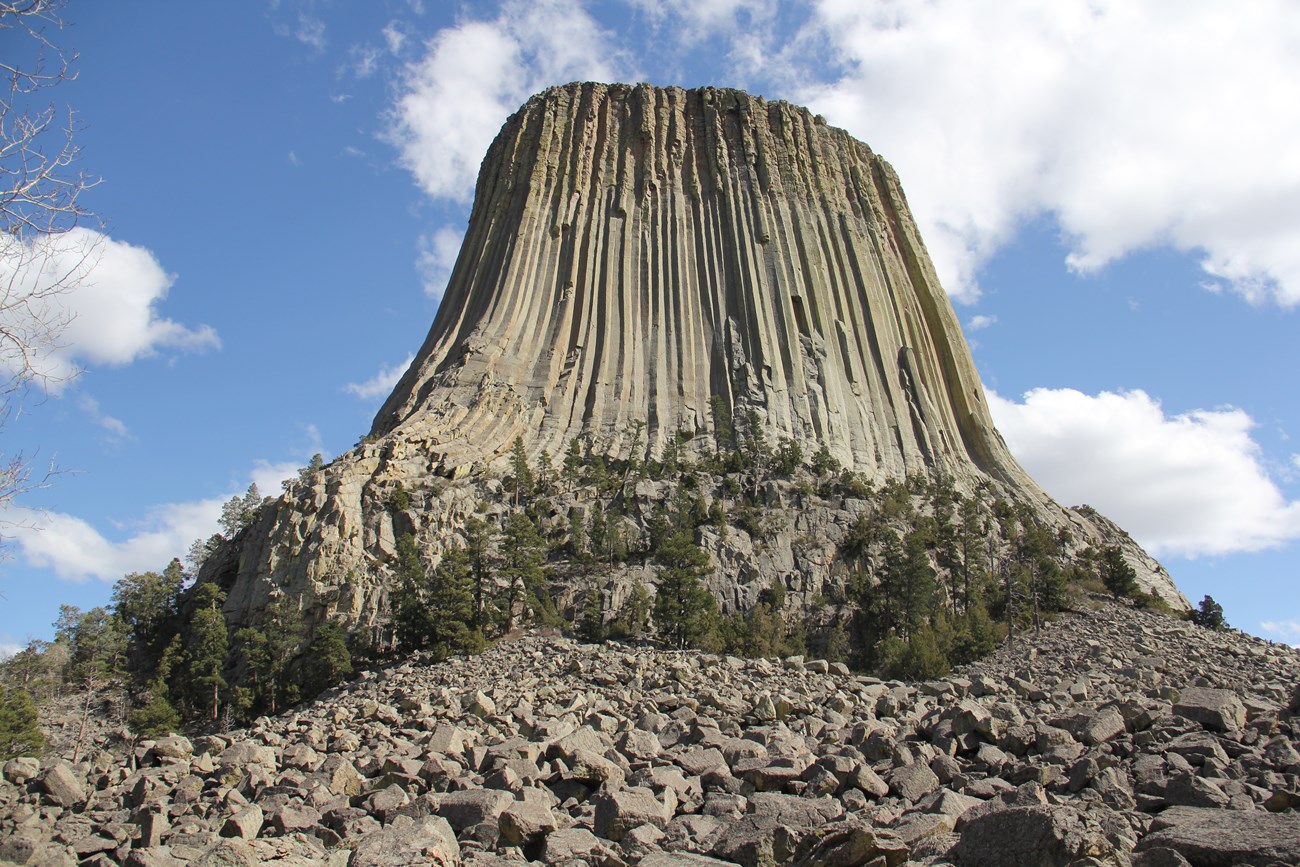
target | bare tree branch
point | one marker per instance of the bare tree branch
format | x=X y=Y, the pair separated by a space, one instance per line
x=42 y=259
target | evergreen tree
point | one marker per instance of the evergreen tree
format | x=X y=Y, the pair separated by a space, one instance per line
x=918 y=658
x=20 y=733
x=478 y=548
x=521 y=567
x=789 y=457
x=634 y=616
x=1116 y=573
x=328 y=658
x=146 y=604
x=724 y=441
x=96 y=642
x=684 y=607
x=571 y=470
x=201 y=549
x=975 y=636
x=824 y=463
x=206 y=645
x=1210 y=615
x=451 y=605
x=521 y=473
x=591 y=625
x=157 y=717
x=239 y=512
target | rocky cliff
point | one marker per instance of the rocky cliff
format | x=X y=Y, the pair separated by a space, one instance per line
x=638 y=259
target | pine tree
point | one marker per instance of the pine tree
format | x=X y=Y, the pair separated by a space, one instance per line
x=572 y=467
x=1209 y=614
x=145 y=604
x=157 y=717
x=206 y=645
x=1116 y=573
x=522 y=556
x=328 y=658
x=20 y=733
x=684 y=607
x=96 y=642
x=723 y=437
x=591 y=626
x=451 y=604
x=520 y=471
x=478 y=547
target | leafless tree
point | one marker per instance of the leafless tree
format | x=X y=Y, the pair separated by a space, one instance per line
x=43 y=254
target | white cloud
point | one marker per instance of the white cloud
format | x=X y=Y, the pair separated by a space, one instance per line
x=437 y=257
x=1286 y=631
x=363 y=60
x=270 y=476
x=105 y=308
x=702 y=18
x=115 y=426
x=1188 y=485
x=394 y=37
x=310 y=31
x=979 y=323
x=1133 y=123
x=75 y=550
x=382 y=383
x=472 y=76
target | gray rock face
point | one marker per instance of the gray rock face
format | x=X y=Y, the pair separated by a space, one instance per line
x=1222 y=837
x=635 y=254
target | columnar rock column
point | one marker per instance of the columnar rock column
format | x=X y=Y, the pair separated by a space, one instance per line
x=635 y=253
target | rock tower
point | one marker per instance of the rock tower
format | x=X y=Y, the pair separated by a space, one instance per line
x=636 y=259
x=636 y=252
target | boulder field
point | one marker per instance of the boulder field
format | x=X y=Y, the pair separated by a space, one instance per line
x=1112 y=736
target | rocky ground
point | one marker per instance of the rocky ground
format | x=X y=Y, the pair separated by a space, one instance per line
x=1114 y=736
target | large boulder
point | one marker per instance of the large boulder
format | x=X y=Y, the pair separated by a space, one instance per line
x=1217 y=709
x=1209 y=837
x=1024 y=836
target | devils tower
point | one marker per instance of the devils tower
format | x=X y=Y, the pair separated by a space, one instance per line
x=639 y=263
x=635 y=252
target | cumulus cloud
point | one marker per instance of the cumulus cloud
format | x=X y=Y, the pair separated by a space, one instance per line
x=437 y=257
x=979 y=323
x=1188 y=484
x=75 y=550
x=1131 y=124
x=99 y=295
x=453 y=100
x=382 y=383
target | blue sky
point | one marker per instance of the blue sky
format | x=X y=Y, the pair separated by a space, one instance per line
x=1111 y=192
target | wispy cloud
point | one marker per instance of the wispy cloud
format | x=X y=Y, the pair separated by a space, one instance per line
x=382 y=383
x=437 y=257
x=979 y=323
x=1286 y=631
